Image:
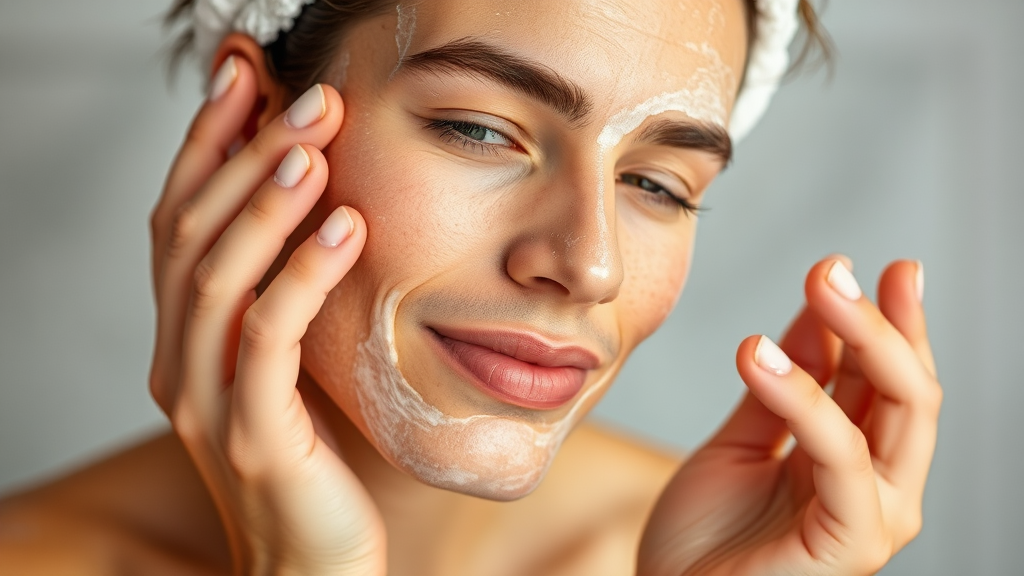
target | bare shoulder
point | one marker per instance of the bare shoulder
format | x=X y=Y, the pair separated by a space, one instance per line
x=141 y=510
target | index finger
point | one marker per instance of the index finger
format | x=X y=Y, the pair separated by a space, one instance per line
x=216 y=127
x=844 y=479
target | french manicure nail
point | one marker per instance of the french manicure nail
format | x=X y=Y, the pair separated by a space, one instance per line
x=919 y=281
x=771 y=358
x=840 y=278
x=336 y=229
x=293 y=168
x=842 y=258
x=223 y=79
x=309 y=108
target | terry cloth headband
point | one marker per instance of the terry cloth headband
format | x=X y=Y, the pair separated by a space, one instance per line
x=264 y=20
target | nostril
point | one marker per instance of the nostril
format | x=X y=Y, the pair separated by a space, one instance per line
x=544 y=282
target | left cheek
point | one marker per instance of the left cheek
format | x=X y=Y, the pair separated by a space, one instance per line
x=655 y=267
x=420 y=220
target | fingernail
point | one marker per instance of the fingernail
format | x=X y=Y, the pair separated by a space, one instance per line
x=223 y=79
x=842 y=258
x=336 y=229
x=919 y=281
x=842 y=281
x=293 y=168
x=771 y=358
x=309 y=108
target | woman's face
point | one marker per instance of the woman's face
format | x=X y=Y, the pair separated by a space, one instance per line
x=524 y=170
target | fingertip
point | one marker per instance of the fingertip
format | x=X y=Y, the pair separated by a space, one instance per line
x=317 y=161
x=344 y=227
x=333 y=102
x=832 y=277
x=900 y=293
x=358 y=222
x=770 y=358
x=745 y=351
x=768 y=373
x=919 y=281
x=905 y=276
x=816 y=279
x=846 y=260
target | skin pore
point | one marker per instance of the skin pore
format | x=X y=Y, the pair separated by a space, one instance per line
x=493 y=180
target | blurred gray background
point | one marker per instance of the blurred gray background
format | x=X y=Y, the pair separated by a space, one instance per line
x=914 y=150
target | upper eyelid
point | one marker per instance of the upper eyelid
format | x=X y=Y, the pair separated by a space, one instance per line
x=442 y=125
x=653 y=175
x=503 y=126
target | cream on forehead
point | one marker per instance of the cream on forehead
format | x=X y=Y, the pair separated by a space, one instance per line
x=484 y=455
x=403 y=32
x=700 y=99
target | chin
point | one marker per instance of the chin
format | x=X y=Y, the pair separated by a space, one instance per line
x=486 y=457
x=497 y=457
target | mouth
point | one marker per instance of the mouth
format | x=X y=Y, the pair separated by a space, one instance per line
x=516 y=367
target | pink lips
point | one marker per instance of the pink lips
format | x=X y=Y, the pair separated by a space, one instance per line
x=517 y=368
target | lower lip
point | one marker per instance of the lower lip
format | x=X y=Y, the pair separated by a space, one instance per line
x=510 y=380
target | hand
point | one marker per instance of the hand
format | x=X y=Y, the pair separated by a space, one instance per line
x=848 y=496
x=226 y=361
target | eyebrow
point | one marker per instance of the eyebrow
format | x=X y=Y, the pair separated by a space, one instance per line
x=690 y=135
x=535 y=80
x=523 y=75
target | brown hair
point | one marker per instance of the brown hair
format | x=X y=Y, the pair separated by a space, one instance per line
x=300 y=57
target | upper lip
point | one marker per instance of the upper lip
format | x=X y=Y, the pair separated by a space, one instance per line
x=524 y=346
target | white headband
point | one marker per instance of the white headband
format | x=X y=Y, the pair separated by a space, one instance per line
x=264 y=20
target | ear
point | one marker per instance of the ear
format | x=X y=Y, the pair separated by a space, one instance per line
x=272 y=96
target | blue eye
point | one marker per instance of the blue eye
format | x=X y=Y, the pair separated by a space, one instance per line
x=646 y=184
x=471 y=136
x=480 y=133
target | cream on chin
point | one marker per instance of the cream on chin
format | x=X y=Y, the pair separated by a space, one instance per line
x=483 y=455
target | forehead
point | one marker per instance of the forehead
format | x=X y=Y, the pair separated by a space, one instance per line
x=620 y=52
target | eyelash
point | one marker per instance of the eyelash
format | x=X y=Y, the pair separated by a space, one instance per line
x=637 y=180
x=451 y=131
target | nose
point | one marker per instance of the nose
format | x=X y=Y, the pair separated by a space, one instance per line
x=566 y=243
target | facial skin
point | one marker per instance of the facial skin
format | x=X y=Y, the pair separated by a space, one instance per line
x=493 y=209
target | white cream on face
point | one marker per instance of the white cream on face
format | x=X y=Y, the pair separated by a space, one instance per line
x=701 y=99
x=403 y=33
x=482 y=455
x=340 y=73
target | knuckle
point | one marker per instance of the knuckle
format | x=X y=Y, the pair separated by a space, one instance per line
x=160 y=391
x=183 y=229
x=875 y=556
x=205 y=286
x=186 y=425
x=856 y=445
x=814 y=398
x=239 y=454
x=259 y=210
x=300 y=271
x=262 y=145
x=257 y=330
x=913 y=523
x=931 y=397
x=156 y=219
